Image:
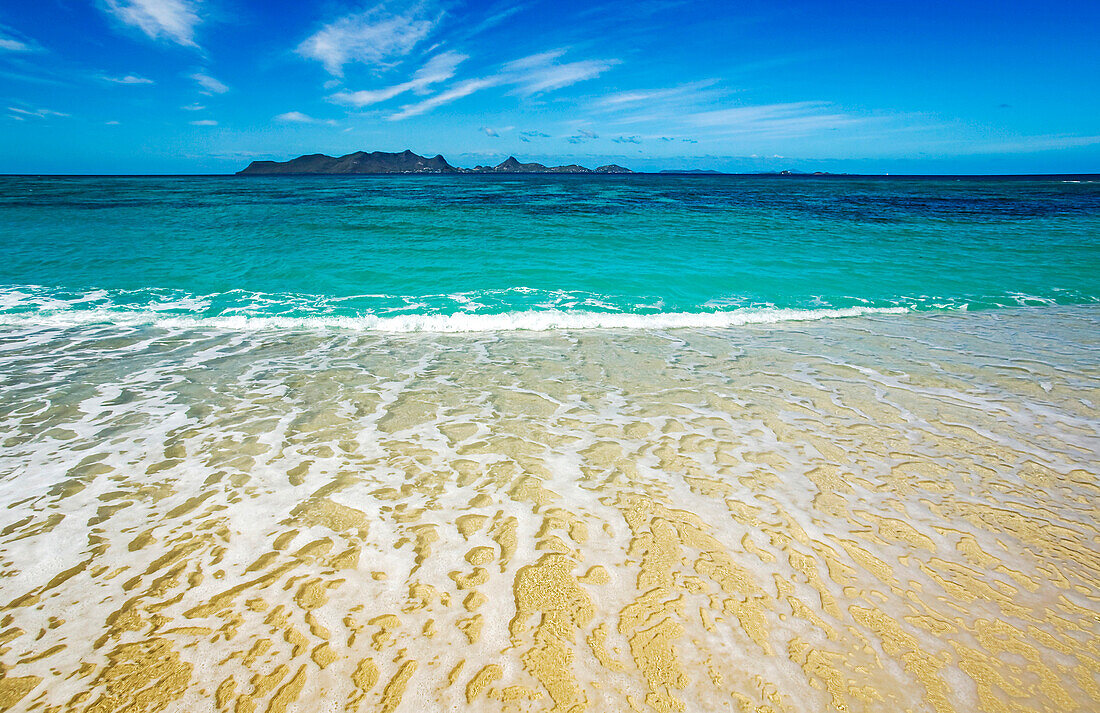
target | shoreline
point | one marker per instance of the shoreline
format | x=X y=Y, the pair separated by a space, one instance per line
x=848 y=513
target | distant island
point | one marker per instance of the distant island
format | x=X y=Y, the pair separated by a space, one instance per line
x=380 y=162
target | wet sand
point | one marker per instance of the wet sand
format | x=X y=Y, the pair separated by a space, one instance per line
x=886 y=513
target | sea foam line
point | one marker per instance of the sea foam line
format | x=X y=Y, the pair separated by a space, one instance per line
x=535 y=320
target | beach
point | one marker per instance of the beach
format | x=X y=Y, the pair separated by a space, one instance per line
x=773 y=474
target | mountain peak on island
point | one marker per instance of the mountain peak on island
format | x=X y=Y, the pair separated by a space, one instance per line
x=359 y=162
x=380 y=162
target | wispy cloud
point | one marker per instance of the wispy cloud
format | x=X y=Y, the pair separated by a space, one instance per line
x=531 y=75
x=112 y=123
x=683 y=94
x=8 y=43
x=662 y=107
x=174 y=20
x=21 y=113
x=209 y=84
x=635 y=97
x=582 y=135
x=535 y=134
x=129 y=79
x=495 y=133
x=507 y=9
x=1017 y=144
x=438 y=69
x=193 y=107
x=34 y=78
x=627 y=140
x=460 y=90
x=204 y=122
x=543 y=73
x=297 y=117
x=773 y=120
x=377 y=36
x=634 y=8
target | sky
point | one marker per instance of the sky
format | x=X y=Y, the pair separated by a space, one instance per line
x=205 y=86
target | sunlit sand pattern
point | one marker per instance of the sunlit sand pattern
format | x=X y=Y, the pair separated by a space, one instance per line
x=893 y=513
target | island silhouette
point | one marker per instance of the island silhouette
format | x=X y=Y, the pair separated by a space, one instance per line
x=381 y=162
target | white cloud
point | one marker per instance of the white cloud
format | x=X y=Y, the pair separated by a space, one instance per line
x=438 y=69
x=492 y=21
x=773 y=120
x=495 y=133
x=366 y=97
x=460 y=90
x=1021 y=144
x=209 y=84
x=531 y=75
x=11 y=41
x=112 y=123
x=204 y=122
x=622 y=98
x=582 y=135
x=36 y=113
x=626 y=98
x=691 y=93
x=295 y=117
x=9 y=44
x=193 y=107
x=535 y=60
x=376 y=37
x=542 y=73
x=173 y=19
x=129 y=79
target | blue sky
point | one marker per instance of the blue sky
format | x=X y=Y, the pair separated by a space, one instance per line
x=193 y=86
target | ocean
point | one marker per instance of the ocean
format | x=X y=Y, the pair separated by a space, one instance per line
x=549 y=443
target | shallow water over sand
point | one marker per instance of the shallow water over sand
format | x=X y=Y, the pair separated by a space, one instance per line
x=890 y=512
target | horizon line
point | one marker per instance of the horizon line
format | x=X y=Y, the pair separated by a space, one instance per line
x=663 y=172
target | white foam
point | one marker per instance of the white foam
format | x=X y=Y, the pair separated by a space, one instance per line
x=536 y=320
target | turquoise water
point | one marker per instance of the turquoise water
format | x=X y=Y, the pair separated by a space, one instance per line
x=228 y=472
x=474 y=253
